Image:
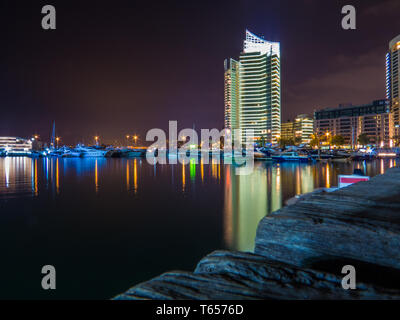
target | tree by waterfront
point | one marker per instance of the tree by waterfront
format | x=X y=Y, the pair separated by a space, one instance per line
x=337 y=140
x=286 y=142
x=315 y=141
x=261 y=141
x=298 y=140
x=363 y=139
x=396 y=140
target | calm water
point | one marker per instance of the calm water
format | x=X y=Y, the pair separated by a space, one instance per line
x=108 y=224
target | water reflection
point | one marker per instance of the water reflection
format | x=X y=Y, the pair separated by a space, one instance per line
x=112 y=215
x=36 y=190
x=246 y=202
x=183 y=177
x=135 y=176
x=328 y=176
x=18 y=176
x=245 y=199
x=128 y=187
x=192 y=170
x=58 y=176
x=249 y=198
x=202 y=170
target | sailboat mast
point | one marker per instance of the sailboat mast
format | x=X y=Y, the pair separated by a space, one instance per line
x=53 y=136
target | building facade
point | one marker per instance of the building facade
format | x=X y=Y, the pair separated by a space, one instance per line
x=352 y=121
x=300 y=130
x=252 y=90
x=303 y=128
x=393 y=84
x=231 y=94
x=287 y=130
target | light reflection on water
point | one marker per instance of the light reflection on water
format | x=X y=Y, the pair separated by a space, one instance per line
x=247 y=198
x=183 y=210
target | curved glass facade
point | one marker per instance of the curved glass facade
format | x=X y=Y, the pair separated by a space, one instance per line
x=255 y=90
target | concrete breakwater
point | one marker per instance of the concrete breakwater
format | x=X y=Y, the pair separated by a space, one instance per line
x=300 y=251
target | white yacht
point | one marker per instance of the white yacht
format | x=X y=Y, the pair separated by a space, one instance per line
x=68 y=153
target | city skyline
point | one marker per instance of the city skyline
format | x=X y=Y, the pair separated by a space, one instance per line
x=99 y=74
x=200 y=151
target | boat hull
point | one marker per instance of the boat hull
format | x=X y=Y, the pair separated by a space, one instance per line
x=289 y=159
x=134 y=154
x=93 y=155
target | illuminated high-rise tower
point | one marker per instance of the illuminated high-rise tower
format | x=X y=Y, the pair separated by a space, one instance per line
x=393 y=84
x=255 y=90
x=231 y=94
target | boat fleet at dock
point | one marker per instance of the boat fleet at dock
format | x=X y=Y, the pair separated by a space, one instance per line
x=81 y=151
x=334 y=155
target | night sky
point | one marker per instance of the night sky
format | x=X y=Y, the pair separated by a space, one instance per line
x=123 y=67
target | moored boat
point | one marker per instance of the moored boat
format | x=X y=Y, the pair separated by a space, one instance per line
x=386 y=154
x=71 y=153
x=340 y=156
x=290 y=156
x=262 y=154
x=133 y=153
x=90 y=152
x=362 y=156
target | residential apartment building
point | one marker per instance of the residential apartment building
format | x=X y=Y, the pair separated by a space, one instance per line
x=350 y=121
x=300 y=130
x=393 y=84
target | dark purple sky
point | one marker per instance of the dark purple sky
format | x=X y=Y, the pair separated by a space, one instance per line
x=125 y=66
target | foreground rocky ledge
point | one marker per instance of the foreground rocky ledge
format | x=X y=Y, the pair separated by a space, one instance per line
x=301 y=249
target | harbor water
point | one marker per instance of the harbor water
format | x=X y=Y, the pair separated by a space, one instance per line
x=108 y=224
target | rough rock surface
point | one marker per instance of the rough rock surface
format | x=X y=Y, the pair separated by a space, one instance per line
x=360 y=222
x=301 y=249
x=236 y=275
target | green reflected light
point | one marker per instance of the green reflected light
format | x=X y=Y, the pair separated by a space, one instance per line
x=192 y=169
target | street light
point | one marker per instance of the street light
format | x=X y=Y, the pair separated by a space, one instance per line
x=135 y=138
x=57 y=140
x=96 y=138
x=329 y=141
